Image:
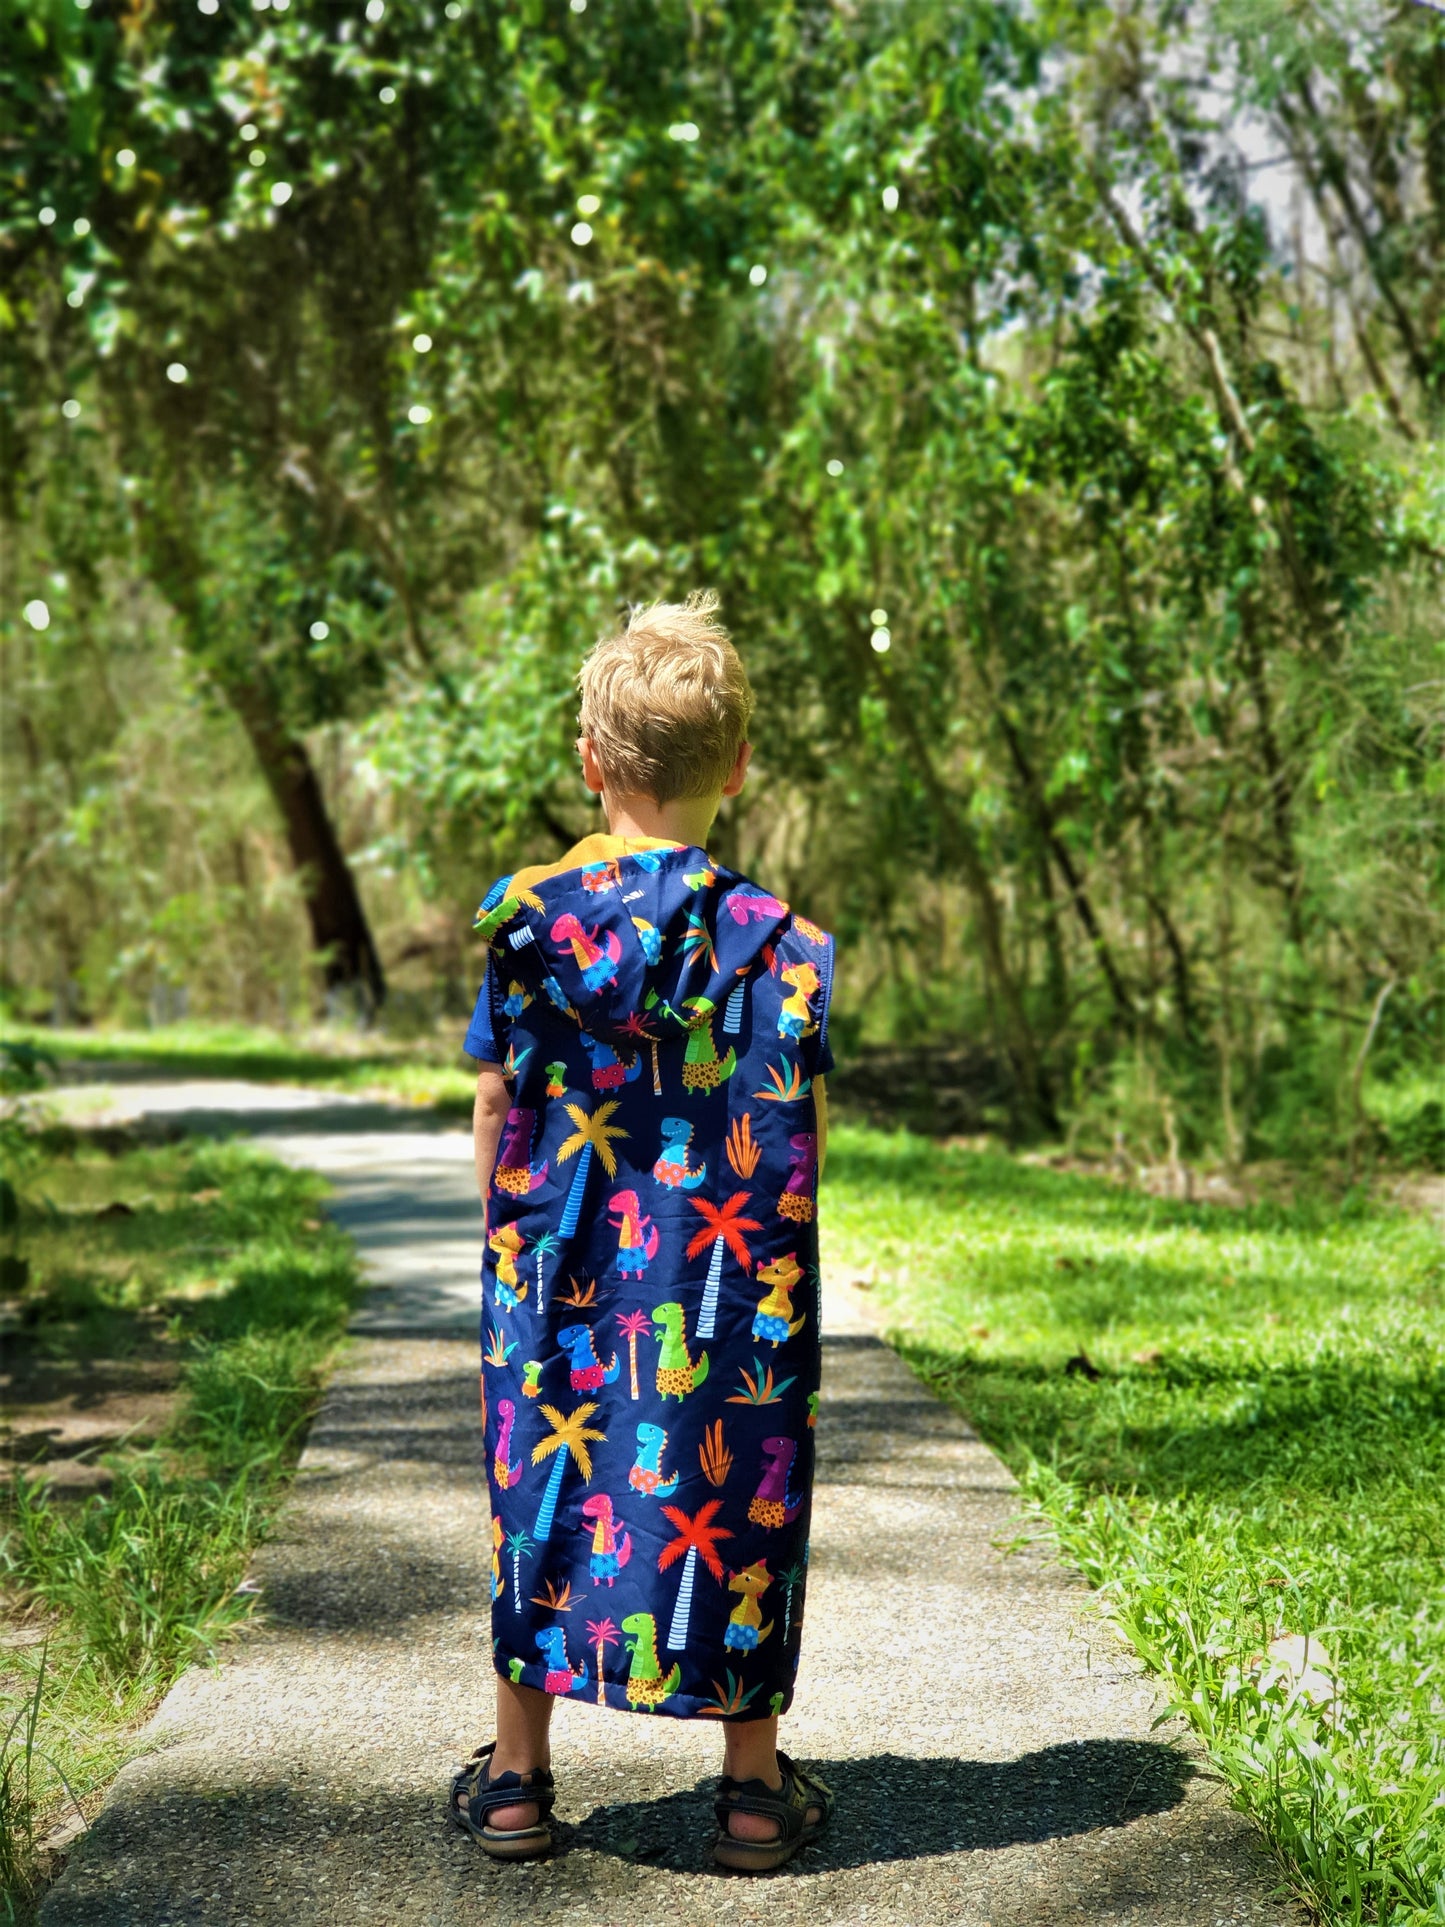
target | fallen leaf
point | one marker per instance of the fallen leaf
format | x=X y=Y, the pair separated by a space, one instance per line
x=1149 y=1355
x=311 y=1224
x=978 y=1331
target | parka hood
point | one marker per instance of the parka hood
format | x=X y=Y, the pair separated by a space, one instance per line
x=633 y=937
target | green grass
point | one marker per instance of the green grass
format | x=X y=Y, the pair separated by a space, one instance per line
x=425 y=1073
x=1263 y=1453
x=221 y=1281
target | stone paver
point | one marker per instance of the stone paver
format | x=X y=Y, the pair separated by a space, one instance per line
x=989 y=1739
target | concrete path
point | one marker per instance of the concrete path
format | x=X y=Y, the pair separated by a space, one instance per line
x=989 y=1740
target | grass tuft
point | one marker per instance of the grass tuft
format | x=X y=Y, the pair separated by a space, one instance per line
x=203 y=1276
x=1259 y=1453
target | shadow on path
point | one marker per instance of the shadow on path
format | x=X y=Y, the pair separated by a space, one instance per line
x=891 y=1808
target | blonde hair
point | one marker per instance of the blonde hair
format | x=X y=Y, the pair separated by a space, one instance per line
x=667 y=701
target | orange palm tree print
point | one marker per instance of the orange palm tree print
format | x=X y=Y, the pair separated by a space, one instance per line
x=723 y=1224
x=696 y=1539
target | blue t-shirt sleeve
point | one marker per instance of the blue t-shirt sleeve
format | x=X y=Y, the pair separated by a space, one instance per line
x=482 y=1032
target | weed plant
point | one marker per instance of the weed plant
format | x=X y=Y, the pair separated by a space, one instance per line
x=1261 y=1453
x=213 y=1262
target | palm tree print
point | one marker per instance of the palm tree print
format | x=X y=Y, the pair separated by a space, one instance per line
x=603 y=1634
x=697 y=1537
x=722 y=1226
x=545 y=1245
x=790 y=1578
x=593 y=1133
x=521 y=1545
x=634 y=1325
x=635 y=1026
x=570 y=1437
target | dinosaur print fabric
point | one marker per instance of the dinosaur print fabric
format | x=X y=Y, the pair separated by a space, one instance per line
x=650 y=1346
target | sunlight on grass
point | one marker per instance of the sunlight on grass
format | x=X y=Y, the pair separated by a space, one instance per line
x=1261 y=1452
x=204 y=1273
x=361 y=1064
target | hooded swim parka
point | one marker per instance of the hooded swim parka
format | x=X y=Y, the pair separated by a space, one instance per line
x=650 y=1345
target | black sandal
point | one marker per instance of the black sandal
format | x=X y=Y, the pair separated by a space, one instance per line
x=482 y=1794
x=787 y=1804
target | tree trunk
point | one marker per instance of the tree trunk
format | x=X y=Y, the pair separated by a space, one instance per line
x=958 y=847
x=338 y=922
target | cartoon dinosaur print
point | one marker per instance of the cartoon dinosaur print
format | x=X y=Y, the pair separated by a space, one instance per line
x=514 y=1172
x=552 y=1644
x=812 y=1408
x=558 y=996
x=647 y=1476
x=499 y=1584
x=810 y=930
x=637 y=1235
x=700 y=879
x=797 y=1199
x=702 y=1069
x=609 y=1073
x=647 y=936
x=742 y=904
x=774 y=1319
x=745 y=1628
x=611 y=1541
x=672 y=1168
x=599 y=878
x=677 y=1374
x=507 y=1242
x=507 y=1473
x=795 y=1019
x=597 y=961
x=556 y=1080
x=532 y=1378
x=589 y=1374
x=645 y=1683
x=775 y=1503
x=517 y=998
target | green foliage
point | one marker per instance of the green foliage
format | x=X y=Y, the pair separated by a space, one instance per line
x=1259 y=1454
x=983 y=316
x=206 y=1258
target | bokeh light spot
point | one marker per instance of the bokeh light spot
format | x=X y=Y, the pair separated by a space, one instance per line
x=581 y=234
x=835 y=467
x=177 y=372
x=36 y=614
x=418 y=415
x=881 y=641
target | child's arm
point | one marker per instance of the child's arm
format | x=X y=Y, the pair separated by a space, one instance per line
x=489 y=1114
x=820 y=1101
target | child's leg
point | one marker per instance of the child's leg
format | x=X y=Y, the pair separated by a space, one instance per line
x=750 y=1752
x=524 y=1722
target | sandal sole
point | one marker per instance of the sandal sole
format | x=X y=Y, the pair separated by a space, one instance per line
x=768 y=1854
x=527 y=1843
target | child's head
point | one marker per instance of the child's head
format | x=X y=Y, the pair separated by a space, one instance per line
x=666 y=703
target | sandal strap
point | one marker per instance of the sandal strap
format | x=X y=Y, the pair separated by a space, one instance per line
x=484 y=1792
x=787 y=1804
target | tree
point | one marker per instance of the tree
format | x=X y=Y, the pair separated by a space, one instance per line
x=697 y=1538
x=723 y=1225
x=593 y=1133
x=570 y=1436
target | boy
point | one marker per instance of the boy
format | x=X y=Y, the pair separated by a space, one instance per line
x=650 y=1283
